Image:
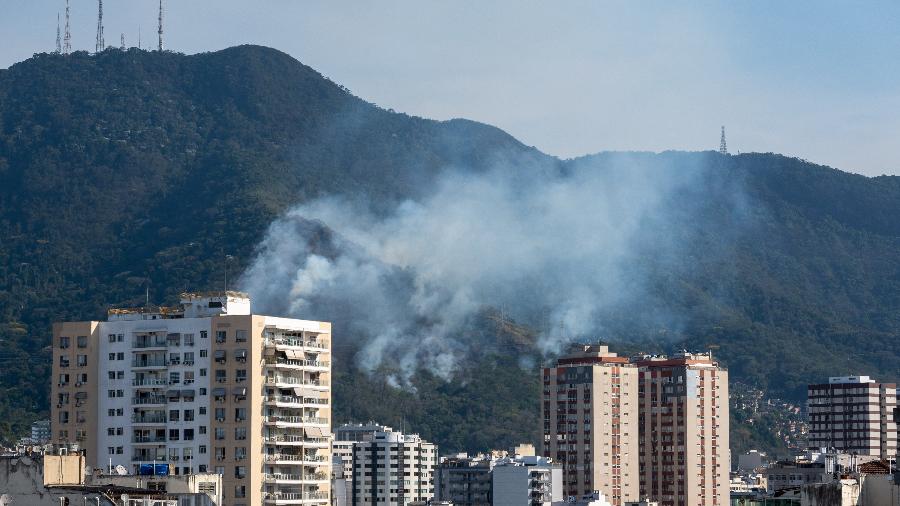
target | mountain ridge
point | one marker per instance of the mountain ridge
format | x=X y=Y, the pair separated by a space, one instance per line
x=134 y=168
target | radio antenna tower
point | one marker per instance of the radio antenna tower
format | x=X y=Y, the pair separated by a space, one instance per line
x=160 y=31
x=101 y=44
x=58 y=36
x=139 y=37
x=122 y=41
x=723 y=147
x=67 y=40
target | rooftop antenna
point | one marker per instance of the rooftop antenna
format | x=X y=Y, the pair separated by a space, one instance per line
x=723 y=147
x=67 y=40
x=139 y=37
x=58 y=36
x=160 y=30
x=101 y=43
x=122 y=41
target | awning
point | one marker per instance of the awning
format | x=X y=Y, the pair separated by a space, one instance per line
x=294 y=354
x=242 y=353
x=218 y=392
x=269 y=351
x=81 y=395
x=187 y=393
x=239 y=391
x=306 y=392
x=314 y=432
x=220 y=354
x=300 y=391
x=173 y=394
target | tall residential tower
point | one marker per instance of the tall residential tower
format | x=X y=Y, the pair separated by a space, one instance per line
x=204 y=387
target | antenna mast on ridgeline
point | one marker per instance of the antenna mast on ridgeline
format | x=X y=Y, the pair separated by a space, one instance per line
x=160 y=31
x=101 y=44
x=58 y=36
x=139 y=37
x=67 y=40
x=723 y=147
x=122 y=41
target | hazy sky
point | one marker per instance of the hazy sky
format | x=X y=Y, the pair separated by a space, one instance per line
x=818 y=80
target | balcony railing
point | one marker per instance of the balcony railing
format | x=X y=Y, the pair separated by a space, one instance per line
x=297 y=477
x=149 y=343
x=291 y=438
x=295 y=342
x=295 y=362
x=296 y=419
x=295 y=496
x=295 y=458
x=155 y=399
x=291 y=399
x=148 y=439
x=149 y=382
x=291 y=380
x=152 y=362
x=160 y=418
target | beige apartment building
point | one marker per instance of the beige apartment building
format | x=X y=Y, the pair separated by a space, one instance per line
x=206 y=386
x=590 y=415
x=684 y=430
x=853 y=414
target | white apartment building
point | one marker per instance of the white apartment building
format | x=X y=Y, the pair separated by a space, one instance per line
x=393 y=469
x=203 y=387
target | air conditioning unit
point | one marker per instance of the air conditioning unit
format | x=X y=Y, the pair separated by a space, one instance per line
x=220 y=419
x=220 y=457
x=174 y=457
x=78 y=384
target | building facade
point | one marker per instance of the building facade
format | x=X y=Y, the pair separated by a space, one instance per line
x=684 y=450
x=528 y=481
x=203 y=387
x=393 y=469
x=590 y=422
x=853 y=414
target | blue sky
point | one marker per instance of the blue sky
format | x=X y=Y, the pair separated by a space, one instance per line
x=817 y=80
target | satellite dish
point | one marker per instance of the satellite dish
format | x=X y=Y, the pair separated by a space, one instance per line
x=120 y=470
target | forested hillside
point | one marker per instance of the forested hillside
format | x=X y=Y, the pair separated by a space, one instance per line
x=132 y=169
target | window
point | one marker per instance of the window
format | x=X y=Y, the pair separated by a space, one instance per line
x=110 y=432
x=111 y=450
x=220 y=433
x=240 y=433
x=63 y=399
x=189 y=358
x=241 y=375
x=240 y=491
x=173 y=454
x=64 y=361
x=120 y=411
x=174 y=377
x=82 y=341
x=203 y=429
x=81 y=378
x=221 y=469
x=204 y=334
x=188 y=434
x=189 y=339
x=240 y=336
x=63 y=379
x=240 y=414
x=202 y=373
x=110 y=412
x=120 y=431
x=63 y=342
x=119 y=375
x=112 y=356
x=202 y=450
x=173 y=434
x=82 y=360
x=220 y=376
x=220 y=414
x=120 y=338
x=120 y=393
x=188 y=377
x=111 y=394
x=240 y=472
x=120 y=356
x=240 y=453
x=120 y=450
x=189 y=415
x=174 y=358
x=202 y=469
x=220 y=453
x=112 y=338
x=204 y=353
x=111 y=375
x=220 y=336
x=187 y=453
x=203 y=392
x=174 y=415
x=63 y=417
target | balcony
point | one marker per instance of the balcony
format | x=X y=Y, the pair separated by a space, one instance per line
x=296 y=498
x=306 y=460
x=292 y=381
x=148 y=419
x=297 y=439
x=138 y=439
x=292 y=363
x=295 y=343
x=291 y=401
x=150 y=363
x=299 y=479
x=147 y=344
x=287 y=421
x=150 y=400
x=148 y=458
x=149 y=382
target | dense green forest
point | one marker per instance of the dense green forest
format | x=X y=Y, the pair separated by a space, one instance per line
x=131 y=169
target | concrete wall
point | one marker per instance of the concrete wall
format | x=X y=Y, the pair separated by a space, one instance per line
x=838 y=493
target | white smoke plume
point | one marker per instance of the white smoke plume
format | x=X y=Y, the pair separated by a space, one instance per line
x=553 y=247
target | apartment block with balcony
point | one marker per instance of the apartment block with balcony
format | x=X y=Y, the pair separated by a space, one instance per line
x=590 y=422
x=206 y=386
x=855 y=415
x=684 y=452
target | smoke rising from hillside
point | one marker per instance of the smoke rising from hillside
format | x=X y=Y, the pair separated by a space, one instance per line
x=554 y=249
